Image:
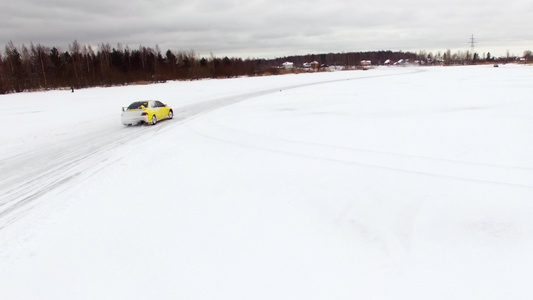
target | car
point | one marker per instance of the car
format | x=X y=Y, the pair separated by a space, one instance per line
x=146 y=112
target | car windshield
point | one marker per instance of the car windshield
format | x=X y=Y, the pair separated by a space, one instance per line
x=137 y=105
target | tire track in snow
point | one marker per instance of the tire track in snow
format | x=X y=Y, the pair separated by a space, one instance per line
x=480 y=172
x=28 y=176
x=396 y=233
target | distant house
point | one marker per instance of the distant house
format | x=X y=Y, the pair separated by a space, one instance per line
x=314 y=65
x=288 y=65
x=401 y=62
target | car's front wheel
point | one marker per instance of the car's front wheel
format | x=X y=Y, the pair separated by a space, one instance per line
x=154 y=120
x=170 y=114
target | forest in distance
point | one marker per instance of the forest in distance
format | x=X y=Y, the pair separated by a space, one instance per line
x=39 y=67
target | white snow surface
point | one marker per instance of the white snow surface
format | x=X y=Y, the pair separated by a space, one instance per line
x=392 y=183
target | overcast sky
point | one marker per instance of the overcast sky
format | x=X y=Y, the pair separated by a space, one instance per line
x=273 y=28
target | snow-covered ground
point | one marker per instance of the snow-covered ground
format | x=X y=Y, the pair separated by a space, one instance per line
x=393 y=183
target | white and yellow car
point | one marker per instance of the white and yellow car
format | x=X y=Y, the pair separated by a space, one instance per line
x=146 y=112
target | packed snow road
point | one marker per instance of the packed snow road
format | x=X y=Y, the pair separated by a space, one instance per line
x=62 y=155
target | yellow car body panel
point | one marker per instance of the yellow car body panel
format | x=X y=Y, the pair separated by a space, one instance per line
x=144 y=111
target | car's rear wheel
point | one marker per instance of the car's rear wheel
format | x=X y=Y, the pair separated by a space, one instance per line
x=154 y=120
x=170 y=114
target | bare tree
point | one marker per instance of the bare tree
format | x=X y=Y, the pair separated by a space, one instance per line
x=41 y=60
x=75 y=53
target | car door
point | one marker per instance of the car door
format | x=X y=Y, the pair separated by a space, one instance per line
x=161 y=110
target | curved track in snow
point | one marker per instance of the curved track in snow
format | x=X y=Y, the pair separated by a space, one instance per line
x=484 y=173
x=28 y=176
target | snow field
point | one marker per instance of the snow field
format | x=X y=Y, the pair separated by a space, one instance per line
x=391 y=184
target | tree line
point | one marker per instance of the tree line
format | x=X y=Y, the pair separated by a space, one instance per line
x=38 y=67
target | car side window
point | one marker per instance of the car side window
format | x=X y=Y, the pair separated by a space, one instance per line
x=159 y=104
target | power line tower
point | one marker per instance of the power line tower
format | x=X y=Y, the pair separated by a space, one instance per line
x=472 y=44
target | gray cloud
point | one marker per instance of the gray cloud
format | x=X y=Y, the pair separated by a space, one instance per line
x=258 y=28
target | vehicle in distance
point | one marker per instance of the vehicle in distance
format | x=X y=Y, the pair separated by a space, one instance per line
x=146 y=112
